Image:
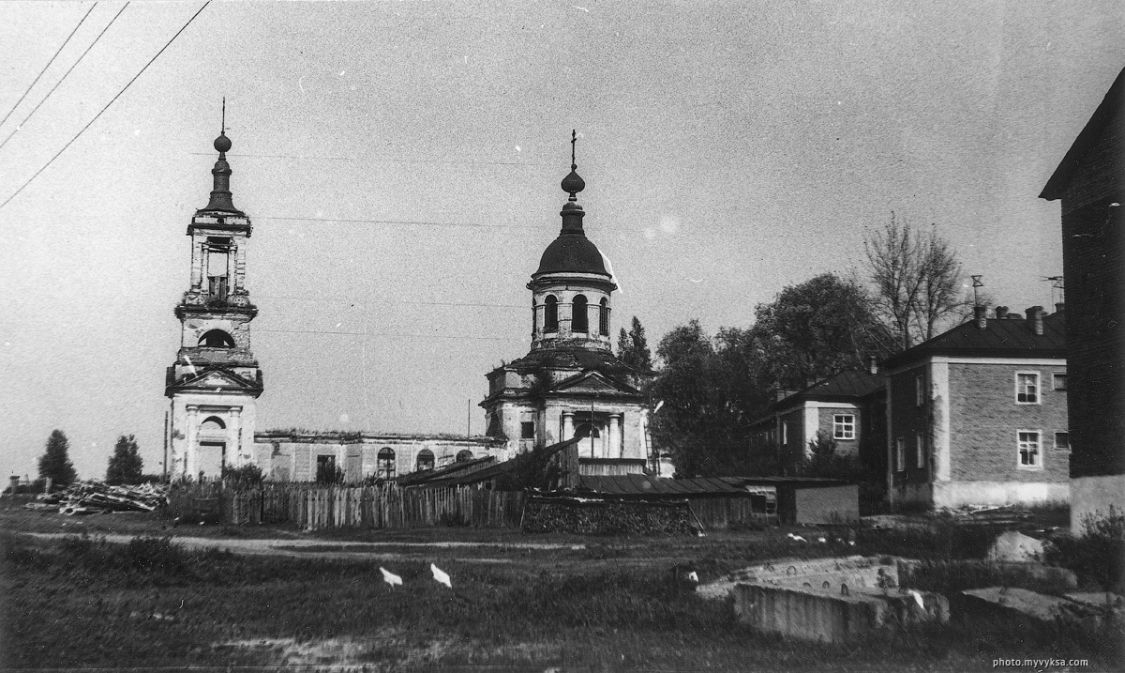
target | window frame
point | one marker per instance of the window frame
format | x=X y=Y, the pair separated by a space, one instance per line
x=843 y=430
x=1055 y=378
x=1038 y=464
x=524 y=427
x=919 y=450
x=1066 y=445
x=919 y=390
x=603 y=317
x=580 y=314
x=386 y=463
x=1038 y=388
x=900 y=454
x=550 y=314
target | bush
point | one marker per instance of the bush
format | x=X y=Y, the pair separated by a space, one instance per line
x=1098 y=556
x=247 y=476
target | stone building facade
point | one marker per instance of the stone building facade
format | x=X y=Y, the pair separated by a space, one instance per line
x=293 y=455
x=571 y=383
x=1090 y=182
x=977 y=415
x=215 y=381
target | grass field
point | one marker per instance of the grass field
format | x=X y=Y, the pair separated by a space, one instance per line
x=609 y=606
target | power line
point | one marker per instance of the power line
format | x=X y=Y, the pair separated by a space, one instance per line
x=63 y=78
x=385 y=334
x=451 y=162
x=321 y=300
x=412 y=223
x=102 y=111
x=57 y=52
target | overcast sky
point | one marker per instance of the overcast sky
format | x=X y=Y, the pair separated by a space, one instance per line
x=401 y=161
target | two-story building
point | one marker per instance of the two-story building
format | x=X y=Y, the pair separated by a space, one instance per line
x=978 y=415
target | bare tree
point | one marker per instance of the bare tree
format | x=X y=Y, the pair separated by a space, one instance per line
x=917 y=280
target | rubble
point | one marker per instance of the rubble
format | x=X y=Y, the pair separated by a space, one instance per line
x=91 y=496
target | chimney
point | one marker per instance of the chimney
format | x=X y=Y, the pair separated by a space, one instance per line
x=1035 y=319
x=1001 y=312
x=872 y=364
x=980 y=316
x=1060 y=306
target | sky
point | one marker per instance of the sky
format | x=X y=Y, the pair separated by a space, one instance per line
x=400 y=162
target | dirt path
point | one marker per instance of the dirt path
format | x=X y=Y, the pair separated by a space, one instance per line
x=334 y=549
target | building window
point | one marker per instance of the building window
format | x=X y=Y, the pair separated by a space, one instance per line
x=1058 y=381
x=527 y=430
x=919 y=390
x=1027 y=387
x=1062 y=440
x=216 y=338
x=603 y=318
x=326 y=470
x=1029 y=448
x=843 y=426
x=579 y=319
x=920 y=450
x=534 y=318
x=900 y=454
x=551 y=314
x=463 y=455
x=386 y=463
x=784 y=433
x=425 y=460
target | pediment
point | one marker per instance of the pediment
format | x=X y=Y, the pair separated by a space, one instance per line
x=593 y=383
x=217 y=380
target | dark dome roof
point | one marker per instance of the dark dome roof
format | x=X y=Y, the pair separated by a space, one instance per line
x=572 y=252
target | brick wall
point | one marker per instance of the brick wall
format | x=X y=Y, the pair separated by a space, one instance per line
x=984 y=420
x=907 y=420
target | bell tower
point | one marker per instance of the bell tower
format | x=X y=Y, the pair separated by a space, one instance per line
x=215 y=381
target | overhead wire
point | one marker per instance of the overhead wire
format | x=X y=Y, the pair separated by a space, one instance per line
x=106 y=107
x=63 y=78
x=57 y=52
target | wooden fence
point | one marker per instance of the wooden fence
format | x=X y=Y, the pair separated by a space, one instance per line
x=318 y=507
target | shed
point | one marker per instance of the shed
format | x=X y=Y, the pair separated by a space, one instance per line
x=808 y=500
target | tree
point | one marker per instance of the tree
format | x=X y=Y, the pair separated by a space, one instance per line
x=701 y=415
x=917 y=280
x=815 y=329
x=55 y=464
x=125 y=465
x=632 y=347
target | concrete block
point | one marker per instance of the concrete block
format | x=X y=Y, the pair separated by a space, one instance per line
x=807 y=615
x=854 y=572
x=1022 y=603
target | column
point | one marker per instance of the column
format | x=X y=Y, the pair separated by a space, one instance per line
x=616 y=439
x=567 y=425
x=191 y=449
x=234 y=457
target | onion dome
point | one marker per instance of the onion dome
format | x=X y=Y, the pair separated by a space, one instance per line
x=572 y=251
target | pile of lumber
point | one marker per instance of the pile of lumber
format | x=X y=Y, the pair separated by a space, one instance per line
x=91 y=496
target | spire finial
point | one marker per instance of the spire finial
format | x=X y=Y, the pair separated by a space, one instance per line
x=573 y=183
x=223 y=130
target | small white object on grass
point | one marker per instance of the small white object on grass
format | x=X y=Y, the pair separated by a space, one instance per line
x=390 y=578
x=918 y=599
x=440 y=576
x=796 y=538
x=693 y=577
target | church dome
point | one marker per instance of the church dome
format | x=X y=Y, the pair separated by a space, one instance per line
x=572 y=252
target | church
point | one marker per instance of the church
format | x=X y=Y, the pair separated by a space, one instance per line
x=569 y=385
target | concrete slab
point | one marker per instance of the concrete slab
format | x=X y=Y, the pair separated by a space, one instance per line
x=829 y=574
x=1013 y=546
x=1014 y=602
x=821 y=616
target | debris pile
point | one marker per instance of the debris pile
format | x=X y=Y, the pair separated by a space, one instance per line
x=91 y=496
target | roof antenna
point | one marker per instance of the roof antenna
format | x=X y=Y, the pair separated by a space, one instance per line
x=976 y=284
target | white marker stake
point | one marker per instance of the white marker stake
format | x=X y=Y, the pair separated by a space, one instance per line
x=440 y=576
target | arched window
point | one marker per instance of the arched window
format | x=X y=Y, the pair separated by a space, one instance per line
x=579 y=320
x=386 y=463
x=216 y=338
x=587 y=430
x=212 y=424
x=463 y=455
x=534 y=318
x=603 y=318
x=425 y=460
x=551 y=314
